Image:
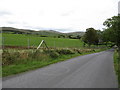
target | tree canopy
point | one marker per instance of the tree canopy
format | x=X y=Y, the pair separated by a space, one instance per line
x=91 y=36
x=112 y=31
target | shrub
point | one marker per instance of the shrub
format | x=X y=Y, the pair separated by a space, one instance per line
x=78 y=51
x=37 y=55
x=30 y=54
x=65 y=51
x=47 y=51
x=34 y=54
x=24 y=55
x=93 y=50
x=54 y=54
x=9 y=58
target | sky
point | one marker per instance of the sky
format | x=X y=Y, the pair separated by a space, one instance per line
x=60 y=15
x=119 y=7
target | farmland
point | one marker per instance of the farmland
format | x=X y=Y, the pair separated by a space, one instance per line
x=60 y=49
x=22 y=40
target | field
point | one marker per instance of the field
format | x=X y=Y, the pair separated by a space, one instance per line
x=20 y=60
x=25 y=40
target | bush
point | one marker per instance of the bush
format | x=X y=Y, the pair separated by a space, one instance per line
x=54 y=54
x=38 y=55
x=65 y=51
x=78 y=51
x=9 y=58
x=47 y=51
x=24 y=55
x=34 y=54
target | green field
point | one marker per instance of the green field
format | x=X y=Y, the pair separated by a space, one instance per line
x=22 y=40
x=16 y=61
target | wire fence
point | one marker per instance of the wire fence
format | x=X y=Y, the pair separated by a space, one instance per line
x=31 y=42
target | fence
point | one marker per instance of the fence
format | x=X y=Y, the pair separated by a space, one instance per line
x=33 y=42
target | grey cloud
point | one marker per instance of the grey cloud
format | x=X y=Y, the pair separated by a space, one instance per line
x=10 y=22
x=3 y=13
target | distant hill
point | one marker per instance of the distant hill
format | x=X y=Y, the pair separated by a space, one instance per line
x=76 y=33
x=40 y=32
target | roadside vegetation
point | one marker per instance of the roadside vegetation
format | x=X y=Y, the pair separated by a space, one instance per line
x=117 y=64
x=16 y=59
x=112 y=34
x=23 y=60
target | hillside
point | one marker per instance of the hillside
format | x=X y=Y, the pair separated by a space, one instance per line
x=76 y=33
x=40 y=32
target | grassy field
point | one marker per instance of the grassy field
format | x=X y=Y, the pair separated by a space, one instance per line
x=22 y=40
x=116 y=65
x=15 y=61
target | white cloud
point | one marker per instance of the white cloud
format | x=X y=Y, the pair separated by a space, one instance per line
x=119 y=7
x=67 y=15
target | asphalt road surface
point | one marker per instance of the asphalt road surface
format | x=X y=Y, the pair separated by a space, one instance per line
x=88 y=71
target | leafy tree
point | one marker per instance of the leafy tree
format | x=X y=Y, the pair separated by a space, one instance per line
x=78 y=37
x=70 y=36
x=61 y=36
x=91 y=37
x=105 y=36
x=113 y=29
x=100 y=36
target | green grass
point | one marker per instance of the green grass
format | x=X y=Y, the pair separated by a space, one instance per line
x=34 y=64
x=22 y=40
x=30 y=65
x=117 y=65
x=25 y=65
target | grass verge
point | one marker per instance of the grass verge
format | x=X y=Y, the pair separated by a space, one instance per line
x=34 y=64
x=116 y=65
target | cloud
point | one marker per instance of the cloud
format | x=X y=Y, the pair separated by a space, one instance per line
x=11 y=22
x=67 y=13
x=4 y=13
x=119 y=7
x=62 y=15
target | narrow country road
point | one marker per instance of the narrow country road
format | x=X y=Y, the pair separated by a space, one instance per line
x=88 y=71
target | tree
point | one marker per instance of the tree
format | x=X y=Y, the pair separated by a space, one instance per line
x=91 y=37
x=113 y=29
x=100 y=36
x=70 y=36
x=105 y=37
x=61 y=36
x=78 y=37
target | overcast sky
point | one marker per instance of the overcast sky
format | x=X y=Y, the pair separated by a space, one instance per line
x=59 y=15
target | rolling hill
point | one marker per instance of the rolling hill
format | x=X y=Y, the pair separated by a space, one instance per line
x=40 y=32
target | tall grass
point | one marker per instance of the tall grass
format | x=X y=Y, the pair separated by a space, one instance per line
x=21 y=61
x=117 y=65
